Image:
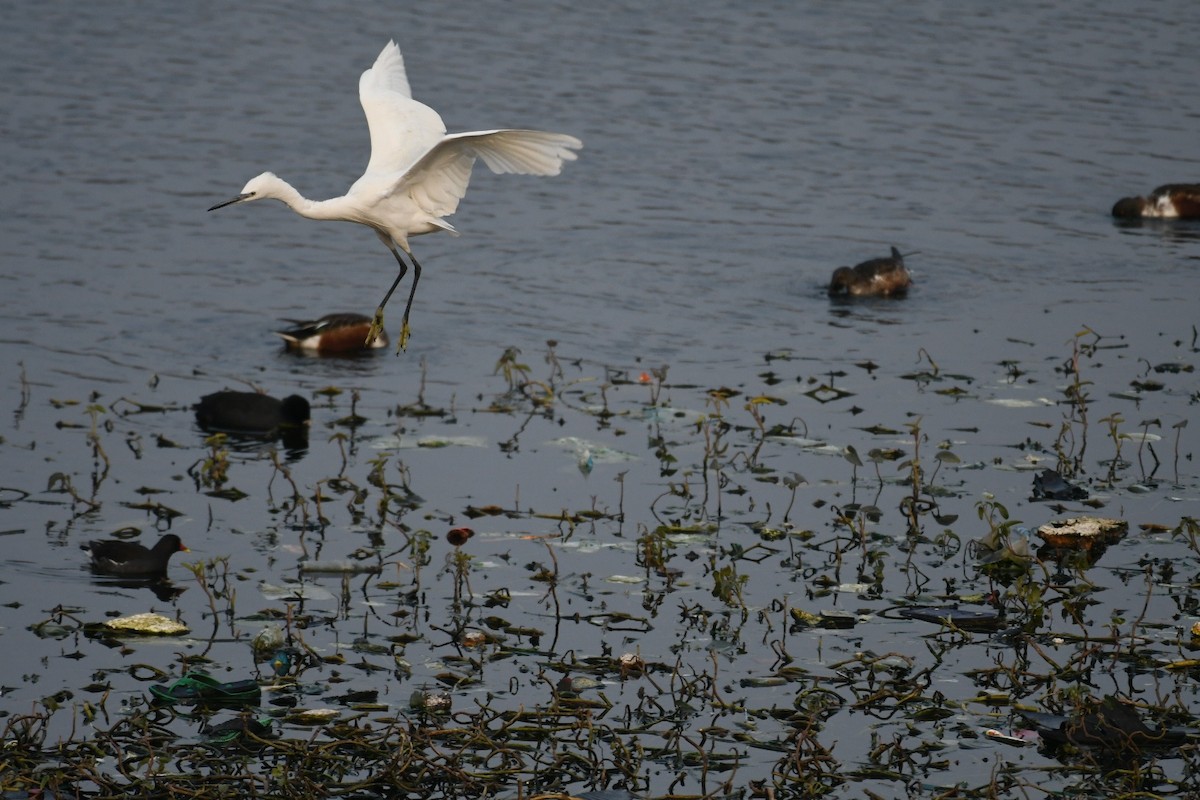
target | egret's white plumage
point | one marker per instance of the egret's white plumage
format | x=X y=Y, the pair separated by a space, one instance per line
x=417 y=172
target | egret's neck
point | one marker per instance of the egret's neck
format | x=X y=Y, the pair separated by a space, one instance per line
x=313 y=209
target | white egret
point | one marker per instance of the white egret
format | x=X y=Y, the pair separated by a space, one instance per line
x=417 y=172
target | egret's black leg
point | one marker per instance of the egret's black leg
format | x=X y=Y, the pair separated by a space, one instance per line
x=377 y=322
x=395 y=283
x=411 y=293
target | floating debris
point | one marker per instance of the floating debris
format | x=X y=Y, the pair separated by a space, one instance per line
x=1005 y=548
x=267 y=641
x=1014 y=402
x=1083 y=533
x=768 y=682
x=281 y=663
x=795 y=441
x=1021 y=738
x=149 y=623
x=343 y=567
x=632 y=664
x=459 y=536
x=238 y=728
x=294 y=591
x=977 y=621
x=435 y=702
x=592 y=453
x=313 y=716
x=473 y=638
x=429 y=442
x=1110 y=725
x=200 y=688
x=833 y=620
x=1049 y=485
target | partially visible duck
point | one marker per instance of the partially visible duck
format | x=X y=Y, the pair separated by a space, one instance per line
x=115 y=557
x=332 y=333
x=1173 y=201
x=251 y=413
x=879 y=277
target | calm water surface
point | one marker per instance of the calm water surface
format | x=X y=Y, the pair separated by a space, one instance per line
x=733 y=157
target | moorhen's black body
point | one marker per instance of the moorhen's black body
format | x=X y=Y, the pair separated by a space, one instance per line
x=251 y=413
x=114 y=557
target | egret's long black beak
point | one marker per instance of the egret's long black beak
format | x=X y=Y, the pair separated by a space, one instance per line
x=237 y=199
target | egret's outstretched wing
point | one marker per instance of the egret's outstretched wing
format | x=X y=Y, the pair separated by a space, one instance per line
x=402 y=130
x=439 y=180
x=388 y=73
x=520 y=152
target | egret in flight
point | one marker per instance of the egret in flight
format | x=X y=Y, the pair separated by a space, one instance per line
x=417 y=172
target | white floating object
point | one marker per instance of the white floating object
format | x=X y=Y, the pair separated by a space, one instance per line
x=152 y=624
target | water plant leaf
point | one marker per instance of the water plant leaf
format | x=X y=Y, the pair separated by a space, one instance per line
x=963 y=619
x=231 y=493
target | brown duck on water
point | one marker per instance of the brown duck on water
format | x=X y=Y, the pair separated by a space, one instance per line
x=879 y=277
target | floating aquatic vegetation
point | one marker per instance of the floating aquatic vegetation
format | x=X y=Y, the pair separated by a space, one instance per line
x=955 y=618
x=344 y=567
x=1111 y=726
x=596 y=452
x=730 y=612
x=825 y=393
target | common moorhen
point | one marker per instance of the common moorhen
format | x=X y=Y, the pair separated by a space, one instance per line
x=115 y=557
x=251 y=413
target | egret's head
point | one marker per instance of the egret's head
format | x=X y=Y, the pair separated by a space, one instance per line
x=256 y=188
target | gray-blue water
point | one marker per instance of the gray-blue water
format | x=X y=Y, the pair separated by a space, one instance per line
x=733 y=156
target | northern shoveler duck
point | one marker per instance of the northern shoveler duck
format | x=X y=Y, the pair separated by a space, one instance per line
x=115 y=557
x=332 y=333
x=251 y=413
x=1173 y=201
x=879 y=277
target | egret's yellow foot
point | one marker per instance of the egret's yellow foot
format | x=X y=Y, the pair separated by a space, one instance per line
x=404 y=334
x=376 y=327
